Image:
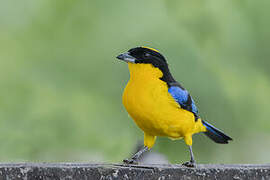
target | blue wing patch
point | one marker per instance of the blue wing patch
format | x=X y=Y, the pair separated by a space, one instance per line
x=183 y=98
x=179 y=95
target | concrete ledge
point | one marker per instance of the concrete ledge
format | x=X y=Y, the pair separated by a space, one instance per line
x=36 y=171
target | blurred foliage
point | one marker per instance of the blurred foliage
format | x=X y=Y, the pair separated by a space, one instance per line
x=61 y=85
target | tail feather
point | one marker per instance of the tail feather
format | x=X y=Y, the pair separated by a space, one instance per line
x=215 y=134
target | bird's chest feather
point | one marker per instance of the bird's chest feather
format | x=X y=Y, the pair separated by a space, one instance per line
x=147 y=100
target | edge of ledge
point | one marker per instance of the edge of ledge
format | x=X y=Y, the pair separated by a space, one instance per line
x=173 y=166
x=29 y=170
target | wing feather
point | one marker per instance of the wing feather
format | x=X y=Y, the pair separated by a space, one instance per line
x=184 y=99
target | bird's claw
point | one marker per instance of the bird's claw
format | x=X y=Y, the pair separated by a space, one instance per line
x=130 y=161
x=189 y=164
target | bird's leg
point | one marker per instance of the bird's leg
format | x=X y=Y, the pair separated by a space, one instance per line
x=135 y=157
x=192 y=162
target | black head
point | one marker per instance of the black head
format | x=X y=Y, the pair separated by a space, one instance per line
x=144 y=55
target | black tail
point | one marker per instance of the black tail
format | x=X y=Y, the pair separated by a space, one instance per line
x=215 y=134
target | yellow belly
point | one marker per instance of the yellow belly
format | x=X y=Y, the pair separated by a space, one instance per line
x=147 y=100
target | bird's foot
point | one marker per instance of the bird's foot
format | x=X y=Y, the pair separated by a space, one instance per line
x=130 y=161
x=190 y=164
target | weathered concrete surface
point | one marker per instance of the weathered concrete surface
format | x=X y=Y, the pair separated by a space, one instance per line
x=36 y=171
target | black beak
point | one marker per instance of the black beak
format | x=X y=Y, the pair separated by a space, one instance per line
x=126 y=57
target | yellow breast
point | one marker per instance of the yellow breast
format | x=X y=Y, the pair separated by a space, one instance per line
x=153 y=109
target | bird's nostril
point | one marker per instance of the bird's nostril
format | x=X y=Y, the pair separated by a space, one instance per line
x=121 y=56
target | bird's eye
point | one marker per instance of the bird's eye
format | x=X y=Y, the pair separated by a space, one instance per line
x=146 y=54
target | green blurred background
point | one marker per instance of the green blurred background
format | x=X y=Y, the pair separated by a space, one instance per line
x=61 y=85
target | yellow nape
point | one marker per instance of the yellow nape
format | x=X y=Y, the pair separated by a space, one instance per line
x=150 y=48
x=151 y=106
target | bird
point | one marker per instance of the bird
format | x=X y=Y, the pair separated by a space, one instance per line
x=161 y=106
